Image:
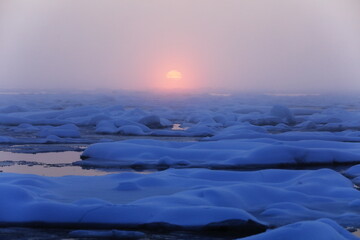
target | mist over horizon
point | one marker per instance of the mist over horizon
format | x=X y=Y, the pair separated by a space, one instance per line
x=275 y=46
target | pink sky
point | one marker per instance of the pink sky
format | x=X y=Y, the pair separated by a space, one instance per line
x=247 y=45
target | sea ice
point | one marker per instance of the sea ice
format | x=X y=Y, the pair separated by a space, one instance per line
x=323 y=229
x=222 y=153
x=187 y=197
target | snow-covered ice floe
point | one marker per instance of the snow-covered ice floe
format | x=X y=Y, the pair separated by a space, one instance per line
x=283 y=133
x=73 y=117
x=181 y=197
x=354 y=173
x=238 y=131
x=323 y=229
x=219 y=154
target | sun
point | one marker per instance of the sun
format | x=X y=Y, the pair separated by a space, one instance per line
x=174 y=74
x=173 y=80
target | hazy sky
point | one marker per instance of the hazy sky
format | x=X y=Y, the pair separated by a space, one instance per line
x=251 y=45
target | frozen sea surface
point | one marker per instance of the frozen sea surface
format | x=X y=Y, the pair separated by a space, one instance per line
x=44 y=133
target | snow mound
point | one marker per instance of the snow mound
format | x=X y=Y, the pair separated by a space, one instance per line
x=66 y=131
x=29 y=198
x=225 y=153
x=323 y=229
x=353 y=171
x=5 y=139
x=106 y=127
x=283 y=113
x=154 y=121
x=12 y=109
x=284 y=133
x=187 y=197
x=131 y=130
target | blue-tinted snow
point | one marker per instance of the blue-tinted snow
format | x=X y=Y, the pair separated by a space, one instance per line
x=234 y=130
x=188 y=197
x=222 y=153
x=323 y=229
x=37 y=116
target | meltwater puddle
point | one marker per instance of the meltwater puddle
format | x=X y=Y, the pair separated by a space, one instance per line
x=53 y=164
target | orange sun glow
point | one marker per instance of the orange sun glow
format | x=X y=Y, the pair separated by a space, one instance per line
x=173 y=80
x=174 y=74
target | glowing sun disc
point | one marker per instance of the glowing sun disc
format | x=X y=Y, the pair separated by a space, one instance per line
x=174 y=74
